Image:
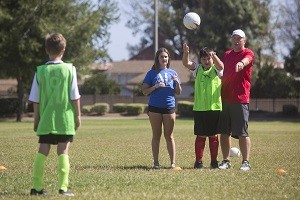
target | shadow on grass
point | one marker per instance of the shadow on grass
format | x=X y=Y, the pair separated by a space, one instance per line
x=108 y=167
x=135 y=167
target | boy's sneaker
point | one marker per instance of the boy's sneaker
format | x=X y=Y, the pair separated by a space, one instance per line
x=66 y=193
x=214 y=164
x=245 y=165
x=198 y=165
x=225 y=164
x=35 y=192
x=156 y=165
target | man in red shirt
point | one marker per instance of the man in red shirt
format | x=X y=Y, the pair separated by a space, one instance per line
x=236 y=85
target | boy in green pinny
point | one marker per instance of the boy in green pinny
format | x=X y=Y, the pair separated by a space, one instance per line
x=56 y=103
x=207 y=102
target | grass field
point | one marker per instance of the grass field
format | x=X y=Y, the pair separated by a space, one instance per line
x=111 y=159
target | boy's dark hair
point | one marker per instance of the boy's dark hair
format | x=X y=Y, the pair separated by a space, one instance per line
x=204 y=52
x=55 y=43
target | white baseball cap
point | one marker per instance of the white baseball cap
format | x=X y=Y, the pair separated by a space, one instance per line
x=238 y=32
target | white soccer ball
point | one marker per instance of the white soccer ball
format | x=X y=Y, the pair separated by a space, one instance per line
x=191 y=20
x=234 y=152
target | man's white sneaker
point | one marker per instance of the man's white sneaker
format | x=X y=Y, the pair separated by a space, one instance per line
x=245 y=166
x=225 y=164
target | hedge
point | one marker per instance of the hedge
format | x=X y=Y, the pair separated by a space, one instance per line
x=289 y=110
x=185 y=108
x=100 y=108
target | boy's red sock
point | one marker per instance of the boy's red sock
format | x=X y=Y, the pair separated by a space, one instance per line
x=199 y=147
x=213 y=147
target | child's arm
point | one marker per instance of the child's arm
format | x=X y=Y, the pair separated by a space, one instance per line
x=217 y=62
x=36 y=116
x=185 y=58
x=76 y=104
x=178 y=88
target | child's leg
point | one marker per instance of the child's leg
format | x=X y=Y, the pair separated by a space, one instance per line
x=199 y=147
x=63 y=166
x=38 y=167
x=214 y=147
x=63 y=172
x=168 y=122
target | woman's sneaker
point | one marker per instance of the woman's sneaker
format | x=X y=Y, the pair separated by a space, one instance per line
x=156 y=165
x=173 y=165
x=225 y=164
x=245 y=165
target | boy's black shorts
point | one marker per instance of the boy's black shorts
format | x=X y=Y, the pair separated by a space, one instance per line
x=206 y=122
x=55 y=139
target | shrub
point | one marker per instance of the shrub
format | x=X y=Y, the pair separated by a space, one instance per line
x=185 y=108
x=100 y=108
x=86 y=109
x=134 y=109
x=8 y=106
x=289 y=110
x=119 y=107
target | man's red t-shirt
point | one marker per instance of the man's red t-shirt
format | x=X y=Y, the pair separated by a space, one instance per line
x=236 y=85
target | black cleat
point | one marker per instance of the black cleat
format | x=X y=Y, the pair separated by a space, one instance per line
x=35 y=192
x=214 y=164
x=198 y=165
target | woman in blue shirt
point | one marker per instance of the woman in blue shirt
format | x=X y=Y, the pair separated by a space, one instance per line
x=162 y=83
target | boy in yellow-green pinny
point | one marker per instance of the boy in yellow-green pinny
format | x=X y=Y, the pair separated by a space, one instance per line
x=207 y=102
x=56 y=102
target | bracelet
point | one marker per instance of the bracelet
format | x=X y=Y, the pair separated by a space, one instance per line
x=243 y=63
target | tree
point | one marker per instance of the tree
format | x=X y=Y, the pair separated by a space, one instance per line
x=273 y=83
x=137 y=91
x=286 y=25
x=100 y=84
x=218 y=20
x=24 y=24
x=292 y=61
x=286 y=22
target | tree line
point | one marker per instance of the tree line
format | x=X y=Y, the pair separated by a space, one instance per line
x=264 y=22
x=85 y=24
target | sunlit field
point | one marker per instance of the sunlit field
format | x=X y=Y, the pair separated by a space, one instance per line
x=112 y=159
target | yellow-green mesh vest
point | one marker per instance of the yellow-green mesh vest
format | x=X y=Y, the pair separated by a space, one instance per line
x=207 y=93
x=55 y=106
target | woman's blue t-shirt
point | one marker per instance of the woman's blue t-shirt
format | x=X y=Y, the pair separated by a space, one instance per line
x=163 y=97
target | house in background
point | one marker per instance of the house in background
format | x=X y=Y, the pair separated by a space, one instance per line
x=130 y=74
x=148 y=54
x=8 y=87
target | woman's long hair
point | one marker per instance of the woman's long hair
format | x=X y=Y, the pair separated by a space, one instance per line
x=156 y=60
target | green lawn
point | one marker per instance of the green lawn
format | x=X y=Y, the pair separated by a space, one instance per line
x=111 y=159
